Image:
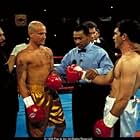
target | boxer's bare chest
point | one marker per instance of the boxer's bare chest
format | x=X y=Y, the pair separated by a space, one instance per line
x=39 y=58
x=116 y=70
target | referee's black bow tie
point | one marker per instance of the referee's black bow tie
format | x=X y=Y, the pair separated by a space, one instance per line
x=81 y=50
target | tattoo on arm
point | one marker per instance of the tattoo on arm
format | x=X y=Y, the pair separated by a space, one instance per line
x=20 y=70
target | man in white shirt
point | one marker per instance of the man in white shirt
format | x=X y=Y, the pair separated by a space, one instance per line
x=15 y=51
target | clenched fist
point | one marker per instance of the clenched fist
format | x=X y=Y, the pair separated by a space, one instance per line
x=91 y=74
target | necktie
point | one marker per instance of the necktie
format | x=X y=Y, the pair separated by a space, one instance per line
x=81 y=50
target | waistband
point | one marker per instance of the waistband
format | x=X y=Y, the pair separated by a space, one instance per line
x=36 y=87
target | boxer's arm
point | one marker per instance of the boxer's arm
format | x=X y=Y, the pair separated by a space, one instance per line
x=51 y=59
x=94 y=77
x=21 y=67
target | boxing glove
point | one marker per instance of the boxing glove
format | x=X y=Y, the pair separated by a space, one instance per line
x=35 y=113
x=54 y=81
x=103 y=127
x=74 y=73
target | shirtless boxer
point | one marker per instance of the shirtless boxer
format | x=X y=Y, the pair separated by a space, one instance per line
x=34 y=65
x=124 y=79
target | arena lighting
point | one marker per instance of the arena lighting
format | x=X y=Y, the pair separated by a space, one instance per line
x=111 y=7
x=45 y=10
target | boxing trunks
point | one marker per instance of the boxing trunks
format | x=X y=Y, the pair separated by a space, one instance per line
x=138 y=101
x=49 y=99
x=128 y=118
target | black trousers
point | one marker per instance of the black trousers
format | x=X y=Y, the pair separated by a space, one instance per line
x=8 y=124
x=88 y=102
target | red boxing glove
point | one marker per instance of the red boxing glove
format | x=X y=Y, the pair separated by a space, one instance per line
x=101 y=130
x=137 y=134
x=74 y=73
x=35 y=113
x=54 y=81
x=103 y=127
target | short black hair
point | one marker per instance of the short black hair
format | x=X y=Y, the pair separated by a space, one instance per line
x=90 y=24
x=131 y=27
x=83 y=28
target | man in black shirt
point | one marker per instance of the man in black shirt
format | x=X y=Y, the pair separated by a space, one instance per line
x=8 y=97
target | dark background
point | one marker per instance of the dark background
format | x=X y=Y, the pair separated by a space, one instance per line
x=60 y=18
